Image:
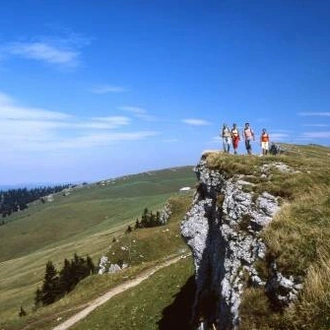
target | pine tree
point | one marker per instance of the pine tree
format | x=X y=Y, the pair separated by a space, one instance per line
x=152 y=220
x=50 y=289
x=90 y=265
x=22 y=312
x=79 y=268
x=144 y=218
x=38 y=298
x=158 y=221
x=66 y=281
x=138 y=224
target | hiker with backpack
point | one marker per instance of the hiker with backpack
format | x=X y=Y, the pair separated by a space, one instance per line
x=226 y=138
x=248 y=137
x=235 y=137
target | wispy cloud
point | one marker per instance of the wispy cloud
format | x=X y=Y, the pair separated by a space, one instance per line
x=196 y=122
x=26 y=129
x=277 y=137
x=44 y=52
x=112 y=121
x=138 y=112
x=315 y=114
x=316 y=135
x=62 y=50
x=104 y=89
x=10 y=111
x=314 y=125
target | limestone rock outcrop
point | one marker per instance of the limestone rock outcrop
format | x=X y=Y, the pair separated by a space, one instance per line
x=222 y=228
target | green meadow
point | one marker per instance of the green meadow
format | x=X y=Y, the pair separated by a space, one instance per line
x=86 y=221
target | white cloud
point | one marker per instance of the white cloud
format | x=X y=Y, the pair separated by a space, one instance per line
x=9 y=111
x=138 y=112
x=112 y=121
x=316 y=114
x=196 y=122
x=26 y=130
x=96 y=139
x=61 y=49
x=104 y=89
x=44 y=52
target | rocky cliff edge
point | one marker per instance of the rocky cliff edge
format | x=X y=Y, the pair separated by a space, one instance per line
x=223 y=228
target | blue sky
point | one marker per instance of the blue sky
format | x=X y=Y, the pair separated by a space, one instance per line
x=91 y=90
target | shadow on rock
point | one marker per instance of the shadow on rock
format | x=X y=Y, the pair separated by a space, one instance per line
x=178 y=315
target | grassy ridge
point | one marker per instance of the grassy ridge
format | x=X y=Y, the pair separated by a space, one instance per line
x=298 y=237
x=86 y=221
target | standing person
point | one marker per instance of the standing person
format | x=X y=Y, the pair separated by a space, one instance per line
x=248 y=137
x=226 y=138
x=235 y=137
x=264 y=142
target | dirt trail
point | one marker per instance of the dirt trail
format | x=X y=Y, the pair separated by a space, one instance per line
x=114 y=291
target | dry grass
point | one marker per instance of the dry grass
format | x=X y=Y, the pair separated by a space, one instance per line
x=313 y=309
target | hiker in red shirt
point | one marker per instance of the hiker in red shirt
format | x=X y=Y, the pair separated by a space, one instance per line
x=235 y=137
x=264 y=142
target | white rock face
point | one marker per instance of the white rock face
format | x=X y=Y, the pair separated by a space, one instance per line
x=222 y=229
x=165 y=214
x=114 y=268
x=104 y=263
x=105 y=266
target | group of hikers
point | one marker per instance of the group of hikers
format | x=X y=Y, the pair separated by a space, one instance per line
x=232 y=137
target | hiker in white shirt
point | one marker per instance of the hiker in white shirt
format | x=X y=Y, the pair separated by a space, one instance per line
x=226 y=138
x=248 y=137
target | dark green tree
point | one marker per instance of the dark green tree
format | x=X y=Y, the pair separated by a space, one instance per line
x=66 y=281
x=158 y=218
x=50 y=287
x=138 y=224
x=38 y=298
x=22 y=312
x=144 y=218
x=81 y=268
x=90 y=265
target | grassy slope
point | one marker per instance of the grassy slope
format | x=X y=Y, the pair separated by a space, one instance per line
x=160 y=299
x=161 y=302
x=86 y=221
